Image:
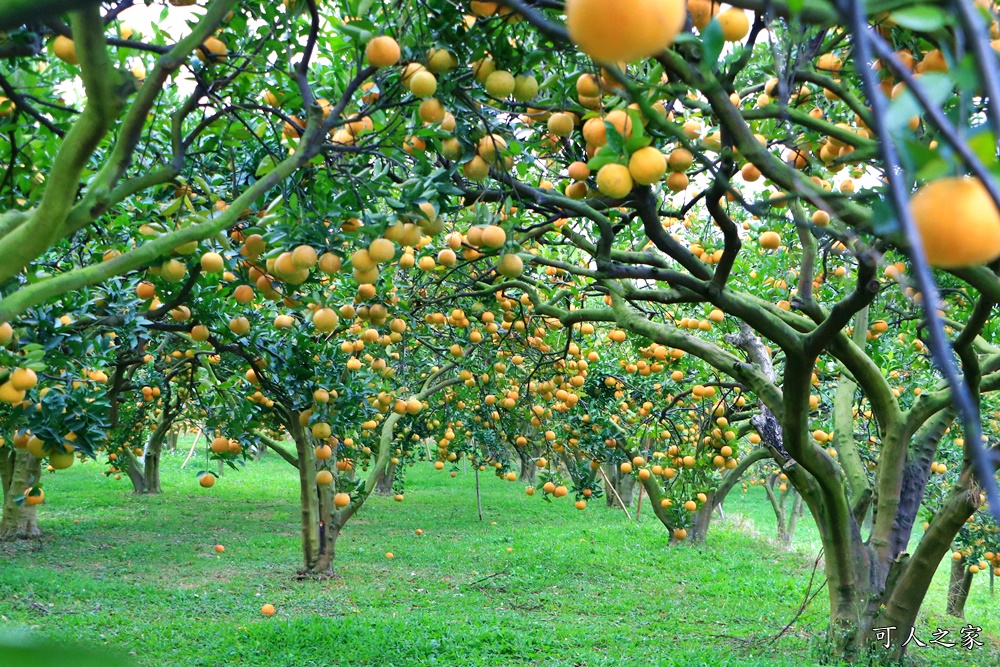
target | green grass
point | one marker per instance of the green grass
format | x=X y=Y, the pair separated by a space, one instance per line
x=532 y=584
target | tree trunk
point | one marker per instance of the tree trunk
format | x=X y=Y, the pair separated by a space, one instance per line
x=145 y=475
x=154 y=449
x=701 y=520
x=136 y=473
x=958 y=588
x=172 y=438
x=798 y=509
x=20 y=522
x=529 y=470
x=623 y=484
x=383 y=485
x=308 y=496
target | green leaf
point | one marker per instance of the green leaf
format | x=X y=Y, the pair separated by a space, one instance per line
x=922 y=18
x=712 y=41
x=266 y=166
x=984 y=145
x=635 y=143
x=938 y=88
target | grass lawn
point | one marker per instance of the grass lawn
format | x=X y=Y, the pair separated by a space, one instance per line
x=532 y=584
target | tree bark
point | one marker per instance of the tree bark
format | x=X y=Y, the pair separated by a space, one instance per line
x=958 y=588
x=20 y=522
x=145 y=475
x=308 y=495
x=386 y=477
x=702 y=519
x=529 y=470
x=624 y=485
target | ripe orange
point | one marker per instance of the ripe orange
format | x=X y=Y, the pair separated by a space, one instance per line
x=342 y=499
x=207 y=480
x=647 y=165
x=239 y=326
x=769 y=240
x=382 y=51
x=423 y=84
x=219 y=548
x=217 y=50
x=959 y=224
x=624 y=30
x=579 y=171
x=561 y=124
x=65 y=50
x=267 y=609
x=30 y=500
x=500 y=84
x=735 y=24
x=614 y=180
x=510 y=266
x=382 y=250
x=23 y=379
x=212 y=262
x=493 y=236
x=678 y=181
x=680 y=159
x=702 y=12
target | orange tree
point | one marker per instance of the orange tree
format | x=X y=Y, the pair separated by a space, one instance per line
x=771 y=144
x=636 y=164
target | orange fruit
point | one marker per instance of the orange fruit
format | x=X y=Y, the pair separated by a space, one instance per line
x=959 y=224
x=624 y=30
x=342 y=499
x=207 y=480
x=680 y=159
x=423 y=84
x=30 y=500
x=65 y=50
x=216 y=48
x=647 y=165
x=267 y=609
x=382 y=51
x=735 y=24
x=561 y=124
x=769 y=240
x=493 y=236
x=702 y=12
x=23 y=378
x=615 y=181
x=212 y=262
x=510 y=266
